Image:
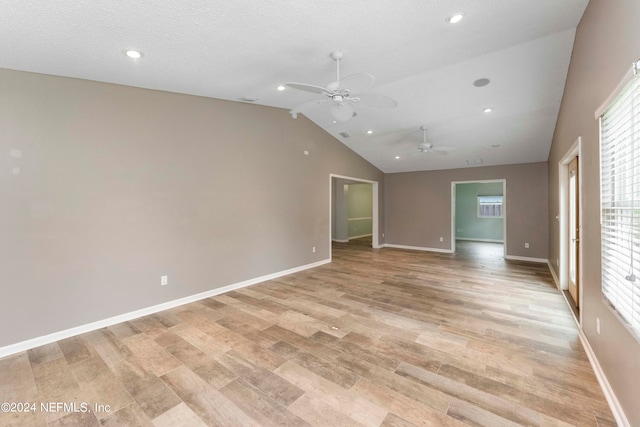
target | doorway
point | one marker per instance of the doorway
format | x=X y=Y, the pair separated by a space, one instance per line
x=349 y=221
x=574 y=232
x=569 y=261
x=478 y=216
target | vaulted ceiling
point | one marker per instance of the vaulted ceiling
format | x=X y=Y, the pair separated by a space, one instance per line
x=247 y=48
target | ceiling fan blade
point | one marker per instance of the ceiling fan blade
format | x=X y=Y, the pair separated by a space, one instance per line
x=440 y=153
x=444 y=148
x=373 y=100
x=298 y=108
x=355 y=83
x=307 y=88
x=418 y=153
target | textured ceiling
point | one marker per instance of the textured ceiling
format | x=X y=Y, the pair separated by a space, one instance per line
x=246 y=48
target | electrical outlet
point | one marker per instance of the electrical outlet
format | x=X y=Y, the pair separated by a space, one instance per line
x=164 y=280
x=383 y=235
x=442 y=239
x=598 y=325
x=313 y=249
x=526 y=245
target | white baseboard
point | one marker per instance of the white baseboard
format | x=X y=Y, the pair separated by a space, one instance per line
x=614 y=404
x=526 y=258
x=556 y=280
x=360 y=236
x=417 y=248
x=60 y=335
x=612 y=400
x=340 y=240
x=472 y=239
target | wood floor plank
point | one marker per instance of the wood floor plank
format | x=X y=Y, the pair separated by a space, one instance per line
x=202 y=364
x=100 y=386
x=259 y=406
x=411 y=410
x=155 y=357
x=16 y=379
x=179 y=416
x=131 y=415
x=151 y=394
x=317 y=388
x=270 y=384
x=206 y=402
x=328 y=370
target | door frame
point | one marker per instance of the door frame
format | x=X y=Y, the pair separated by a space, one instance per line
x=563 y=219
x=504 y=210
x=375 y=228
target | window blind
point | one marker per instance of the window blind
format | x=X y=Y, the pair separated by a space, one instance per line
x=620 y=202
x=490 y=206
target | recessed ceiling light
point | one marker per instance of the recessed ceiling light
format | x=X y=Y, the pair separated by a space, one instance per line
x=281 y=88
x=397 y=157
x=369 y=132
x=481 y=82
x=488 y=110
x=133 y=54
x=455 y=18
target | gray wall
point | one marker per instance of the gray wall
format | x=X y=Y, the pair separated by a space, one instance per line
x=607 y=42
x=418 y=206
x=118 y=186
x=359 y=206
x=468 y=225
x=339 y=223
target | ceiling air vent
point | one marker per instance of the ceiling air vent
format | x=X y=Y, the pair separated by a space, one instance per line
x=345 y=134
x=247 y=99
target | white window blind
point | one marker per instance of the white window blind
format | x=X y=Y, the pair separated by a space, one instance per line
x=620 y=202
x=489 y=206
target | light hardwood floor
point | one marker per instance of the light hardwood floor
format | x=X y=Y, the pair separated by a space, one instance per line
x=377 y=337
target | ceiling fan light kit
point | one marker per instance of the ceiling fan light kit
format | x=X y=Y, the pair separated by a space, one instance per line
x=340 y=93
x=342 y=111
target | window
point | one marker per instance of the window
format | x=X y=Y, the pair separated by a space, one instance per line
x=489 y=206
x=620 y=202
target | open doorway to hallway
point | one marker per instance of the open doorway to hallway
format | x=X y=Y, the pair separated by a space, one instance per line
x=478 y=220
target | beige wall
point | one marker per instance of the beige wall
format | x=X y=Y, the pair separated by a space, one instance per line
x=418 y=206
x=118 y=186
x=607 y=42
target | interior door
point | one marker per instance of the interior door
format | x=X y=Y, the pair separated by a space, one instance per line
x=574 y=233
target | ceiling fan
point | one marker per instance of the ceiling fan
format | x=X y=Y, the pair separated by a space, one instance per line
x=340 y=94
x=426 y=147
